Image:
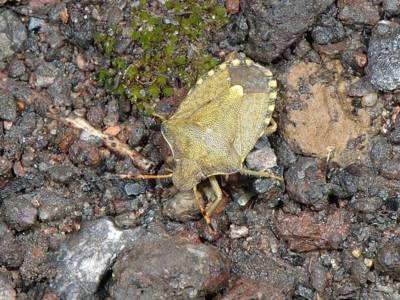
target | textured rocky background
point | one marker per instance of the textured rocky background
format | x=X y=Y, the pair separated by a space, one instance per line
x=330 y=232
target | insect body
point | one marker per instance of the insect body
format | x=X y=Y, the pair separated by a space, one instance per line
x=218 y=124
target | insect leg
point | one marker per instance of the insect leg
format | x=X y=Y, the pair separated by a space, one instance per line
x=218 y=193
x=200 y=206
x=267 y=174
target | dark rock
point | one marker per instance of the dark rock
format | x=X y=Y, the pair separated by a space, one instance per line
x=8 y=108
x=80 y=29
x=304 y=292
x=46 y=74
x=319 y=277
x=381 y=151
x=5 y=166
x=383 y=58
x=328 y=30
x=394 y=135
x=84 y=258
x=34 y=267
x=135 y=188
x=52 y=206
x=82 y=152
x=12 y=33
x=275 y=25
x=364 y=204
x=16 y=68
x=37 y=25
x=359 y=272
x=390 y=169
x=391 y=7
x=322 y=35
x=306 y=183
x=138 y=132
x=95 y=115
x=360 y=88
x=62 y=173
x=169 y=268
x=246 y=289
x=388 y=259
x=7 y=286
x=259 y=267
x=19 y=212
x=11 y=255
x=358 y=12
x=285 y=154
x=306 y=232
x=181 y=207
x=60 y=91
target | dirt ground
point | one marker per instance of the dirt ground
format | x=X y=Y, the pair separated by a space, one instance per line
x=71 y=229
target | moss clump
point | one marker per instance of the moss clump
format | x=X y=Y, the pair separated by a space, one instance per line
x=170 y=45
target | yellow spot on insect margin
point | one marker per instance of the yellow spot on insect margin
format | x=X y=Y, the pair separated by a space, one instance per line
x=249 y=62
x=273 y=84
x=268 y=73
x=200 y=81
x=222 y=66
x=271 y=108
x=236 y=62
x=210 y=73
x=273 y=95
x=237 y=89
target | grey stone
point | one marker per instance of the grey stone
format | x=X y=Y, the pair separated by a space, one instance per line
x=10 y=254
x=19 y=212
x=52 y=206
x=16 y=68
x=46 y=74
x=166 y=267
x=5 y=166
x=360 y=12
x=275 y=25
x=13 y=33
x=383 y=56
x=8 y=108
x=85 y=257
x=5 y=46
x=134 y=188
x=7 y=287
x=261 y=159
x=37 y=24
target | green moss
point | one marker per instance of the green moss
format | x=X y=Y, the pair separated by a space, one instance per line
x=172 y=44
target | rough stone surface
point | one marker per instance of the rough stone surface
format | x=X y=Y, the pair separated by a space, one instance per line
x=10 y=254
x=244 y=288
x=46 y=74
x=169 y=268
x=275 y=25
x=360 y=12
x=319 y=120
x=19 y=212
x=384 y=61
x=388 y=259
x=12 y=33
x=306 y=232
x=181 y=207
x=306 y=183
x=7 y=286
x=8 y=109
x=85 y=257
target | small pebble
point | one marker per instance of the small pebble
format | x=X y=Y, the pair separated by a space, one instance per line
x=237 y=232
x=356 y=252
x=370 y=99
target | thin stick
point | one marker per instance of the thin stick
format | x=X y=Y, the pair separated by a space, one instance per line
x=137 y=177
x=111 y=142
